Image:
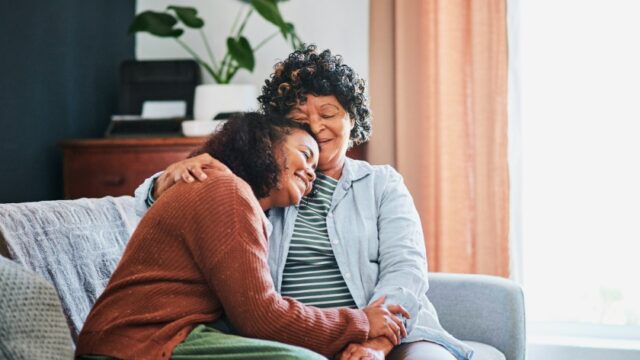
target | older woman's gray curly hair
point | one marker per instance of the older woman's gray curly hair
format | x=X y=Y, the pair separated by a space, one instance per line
x=307 y=72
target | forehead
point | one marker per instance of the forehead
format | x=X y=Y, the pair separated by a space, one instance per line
x=300 y=137
x=317 y=103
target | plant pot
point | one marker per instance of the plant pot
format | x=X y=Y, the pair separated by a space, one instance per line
x=201 y=127
x=212 y=99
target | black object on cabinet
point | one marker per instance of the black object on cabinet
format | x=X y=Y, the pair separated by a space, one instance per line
x=157 y=80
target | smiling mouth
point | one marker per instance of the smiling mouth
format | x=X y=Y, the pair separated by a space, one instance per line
x=320 y=142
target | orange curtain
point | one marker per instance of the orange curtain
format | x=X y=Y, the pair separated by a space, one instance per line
x=438 y=91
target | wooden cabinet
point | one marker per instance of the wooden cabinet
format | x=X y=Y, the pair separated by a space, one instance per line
x=101 y=167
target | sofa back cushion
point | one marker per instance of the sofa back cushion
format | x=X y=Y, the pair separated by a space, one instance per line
x=73 y=244
x=31 y=321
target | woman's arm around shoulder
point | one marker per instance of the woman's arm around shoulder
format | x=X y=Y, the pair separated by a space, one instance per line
x=186 y=170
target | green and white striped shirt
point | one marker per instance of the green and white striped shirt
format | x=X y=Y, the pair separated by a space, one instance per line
x=311 y=273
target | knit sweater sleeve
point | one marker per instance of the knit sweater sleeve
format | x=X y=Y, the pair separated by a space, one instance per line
x=236 y=268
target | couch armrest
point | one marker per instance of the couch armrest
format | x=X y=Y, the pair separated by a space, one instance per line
x=481 y=308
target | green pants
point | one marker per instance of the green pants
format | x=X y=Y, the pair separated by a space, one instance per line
x=207 y=342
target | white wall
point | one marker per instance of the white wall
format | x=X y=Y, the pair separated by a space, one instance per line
x=342 y=26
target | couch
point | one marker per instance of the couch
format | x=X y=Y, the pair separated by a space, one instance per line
x=74 y=245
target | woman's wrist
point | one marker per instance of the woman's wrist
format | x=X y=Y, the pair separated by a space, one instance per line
x=150 y=194
x=380 y=343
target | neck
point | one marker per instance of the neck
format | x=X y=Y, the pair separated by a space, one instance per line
x=265 y=203
x=334 y=171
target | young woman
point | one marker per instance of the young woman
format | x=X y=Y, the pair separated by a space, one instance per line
x=201 y=254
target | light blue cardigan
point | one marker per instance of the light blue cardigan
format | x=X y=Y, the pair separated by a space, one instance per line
x=376 y=235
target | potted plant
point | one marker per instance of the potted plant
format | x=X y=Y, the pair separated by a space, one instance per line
x=212 y=99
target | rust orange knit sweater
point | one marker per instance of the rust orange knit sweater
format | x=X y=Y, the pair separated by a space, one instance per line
x=199 y=252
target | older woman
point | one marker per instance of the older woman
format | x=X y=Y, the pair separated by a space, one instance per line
x=358 y=237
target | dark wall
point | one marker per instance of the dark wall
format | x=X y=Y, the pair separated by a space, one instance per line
x=58 y=80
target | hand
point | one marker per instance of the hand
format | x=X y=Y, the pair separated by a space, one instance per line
x=186 y=170
x=360 y=352
x=383 y=322
x=379 y=344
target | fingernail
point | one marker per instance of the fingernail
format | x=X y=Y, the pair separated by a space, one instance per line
x=203 y=176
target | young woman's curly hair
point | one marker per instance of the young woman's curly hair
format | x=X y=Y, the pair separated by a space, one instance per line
x=249 y=145
x=310 y=72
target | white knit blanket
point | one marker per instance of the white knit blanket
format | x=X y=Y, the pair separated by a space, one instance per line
x=74 y=244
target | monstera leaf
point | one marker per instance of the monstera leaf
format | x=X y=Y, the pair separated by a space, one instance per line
x=240 y=50
x=188 y=16
x=155 y=23
x=268 y=9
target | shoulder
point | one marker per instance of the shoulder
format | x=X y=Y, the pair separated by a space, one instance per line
x=221 y=190
x=229 y=190
x=219 y=185
x=376 y=182
x=379 y=174
x=386 y=171
x=223 y=180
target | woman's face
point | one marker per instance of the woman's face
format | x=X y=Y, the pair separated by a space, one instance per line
x=298 y=160
x=331 y=124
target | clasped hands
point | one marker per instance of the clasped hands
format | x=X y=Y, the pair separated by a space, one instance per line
x=386 y=330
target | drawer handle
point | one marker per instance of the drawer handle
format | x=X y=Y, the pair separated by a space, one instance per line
x=117 y=180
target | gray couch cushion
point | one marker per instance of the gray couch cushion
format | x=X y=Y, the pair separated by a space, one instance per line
x=31 y=322
x=73 y=244
x=486 y=309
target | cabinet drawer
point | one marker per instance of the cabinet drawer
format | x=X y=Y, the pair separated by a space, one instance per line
x=102 y=171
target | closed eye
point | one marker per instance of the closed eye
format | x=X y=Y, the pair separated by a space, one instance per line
x=308 y=155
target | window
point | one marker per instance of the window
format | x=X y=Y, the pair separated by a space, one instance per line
x=580 y=165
